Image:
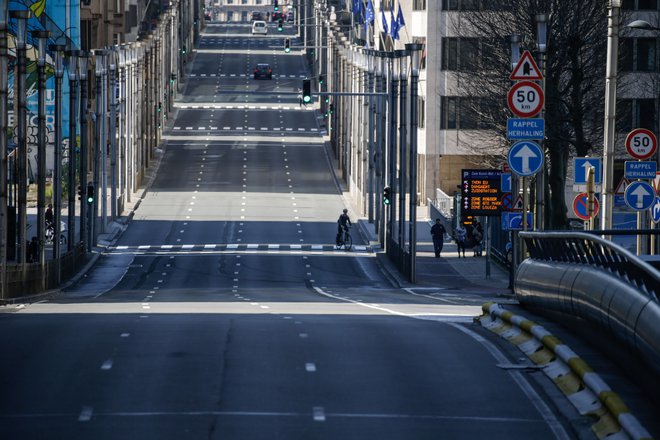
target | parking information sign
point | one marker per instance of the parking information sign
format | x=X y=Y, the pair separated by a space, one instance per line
x=481 y=192
x=512 y=221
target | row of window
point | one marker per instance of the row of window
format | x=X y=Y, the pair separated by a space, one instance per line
x=491 y=5
x=466 y=54
x=463 y=113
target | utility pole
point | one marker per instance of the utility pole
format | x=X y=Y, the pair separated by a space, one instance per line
x=3 y=151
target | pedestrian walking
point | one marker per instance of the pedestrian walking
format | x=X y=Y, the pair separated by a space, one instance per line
x=460 y=234
x=478 y=234
x=438 y=234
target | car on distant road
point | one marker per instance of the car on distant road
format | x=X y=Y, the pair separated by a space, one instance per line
x=259 y=27
x=256 y=15
x=289 y=16
x=263 y=71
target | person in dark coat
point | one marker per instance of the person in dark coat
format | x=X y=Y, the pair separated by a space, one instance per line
x=438 y=234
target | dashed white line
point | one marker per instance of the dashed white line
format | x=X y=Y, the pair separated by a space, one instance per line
x=85 y=414
x=107 y=365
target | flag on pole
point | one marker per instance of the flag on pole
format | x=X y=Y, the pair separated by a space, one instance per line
x=385 y=28
x=357 y=11
x=399 y=18
x=394 y=26
x=370 y=15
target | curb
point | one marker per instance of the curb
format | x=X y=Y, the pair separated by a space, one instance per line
x=573 y=376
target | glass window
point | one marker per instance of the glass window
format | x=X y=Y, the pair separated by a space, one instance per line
x=628 y=4
x=647 y=5
x=647 y=115
x=646 y=55
x=449 y=5
x=626 y=54
x=468 y=115
x=449 y=54
x=624 y=115
x=469 y=52
x=419 y=5
x=421 y=112
x=448 y=109
x=470 y=5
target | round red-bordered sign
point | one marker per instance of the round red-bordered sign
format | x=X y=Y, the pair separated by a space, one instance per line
x=525 y=99
x=581 y=206
x=641 y=143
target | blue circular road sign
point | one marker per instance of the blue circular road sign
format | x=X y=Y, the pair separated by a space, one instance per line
x=639 y=196
x=525 y=158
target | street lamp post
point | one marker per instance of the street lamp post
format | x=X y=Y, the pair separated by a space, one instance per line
x=392 y=151
x=83 y=66
x=42 y=39
x=57 y=49
x=607 y=197
x=403 y=165
x=3 y=148
x=541 y=43
x=414 y=51
x=21 y=125
x=72 y=71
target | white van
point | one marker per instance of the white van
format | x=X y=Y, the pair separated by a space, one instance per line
x=259 y=27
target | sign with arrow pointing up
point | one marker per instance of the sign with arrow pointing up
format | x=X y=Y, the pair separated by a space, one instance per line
x=525 y=158
x=582 y=164
x=639 y=196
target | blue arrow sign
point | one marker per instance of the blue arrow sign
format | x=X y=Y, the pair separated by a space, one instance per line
x=505 y=185
x=640 y=169
x=639 y=196
x=582 y=164
x=655 y=210
x=525 y=128
x=525 y=158
x=512 y=221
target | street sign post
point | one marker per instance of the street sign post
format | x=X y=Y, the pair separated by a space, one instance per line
x=512 y=221
x=581 y=206
x=525 y=158
x=525 y=128
x=505 y=185
x=641 y=143
x=526 y=69
x=655 y=210
x=582 y=164
x=639 y=196
x=481 y=193
x=638 y=169
x=525 y=99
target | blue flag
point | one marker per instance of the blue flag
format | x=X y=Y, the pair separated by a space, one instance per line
x=357 y=11
x=382 y=14
x=370 y=15
x=394 y=26
x=399 y=18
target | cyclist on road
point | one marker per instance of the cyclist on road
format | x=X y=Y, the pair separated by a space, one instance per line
x=343 y=223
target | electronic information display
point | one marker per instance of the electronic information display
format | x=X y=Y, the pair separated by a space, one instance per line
x=481 y=194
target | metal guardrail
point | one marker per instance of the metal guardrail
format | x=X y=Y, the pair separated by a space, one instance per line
x=587 y=248
x=577 y=274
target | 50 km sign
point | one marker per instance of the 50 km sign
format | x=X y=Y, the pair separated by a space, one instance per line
x=641 y=143
x=525 y=99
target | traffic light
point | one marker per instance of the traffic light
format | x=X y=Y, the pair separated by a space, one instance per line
x=79 y=192
x=90 y=194
x=276 y=7
x=387 y=195
x=331 y=110
x=160 y=107
x=307 y=91
x=280 y=24
x=287 y=45
x=321 y=80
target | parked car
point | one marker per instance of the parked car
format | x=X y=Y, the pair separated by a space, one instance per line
x=259 y=27
x=263 y=71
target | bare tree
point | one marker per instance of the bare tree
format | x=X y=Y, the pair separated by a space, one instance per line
x=574 y=66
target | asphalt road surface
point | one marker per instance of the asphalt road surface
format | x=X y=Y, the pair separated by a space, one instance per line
x=224 y=312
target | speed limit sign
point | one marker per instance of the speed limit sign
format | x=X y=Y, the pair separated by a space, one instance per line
x=525 y=99
x=641 y=143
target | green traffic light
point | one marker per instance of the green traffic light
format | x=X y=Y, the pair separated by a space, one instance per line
x=90 y=200
x=287 y=49
x=307 y=99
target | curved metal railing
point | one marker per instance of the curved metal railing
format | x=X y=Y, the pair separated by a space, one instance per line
x=588 y=249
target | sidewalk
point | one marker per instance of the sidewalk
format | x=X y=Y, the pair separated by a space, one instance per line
x=447 y=272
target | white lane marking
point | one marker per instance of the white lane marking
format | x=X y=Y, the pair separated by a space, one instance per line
x=296 y=246
x=303 y=335
x=232 y=246
x=125 y=335
x=273 y=246
x=310 y=367
x=144 y=246
x=522 y=382
x=166 y=246
x=85 y=414
x=107 y=365
x=187 y=246
x=253 y=246
x=121 y=248
x=319 y=414
x=317 y=247
x=209 y=246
